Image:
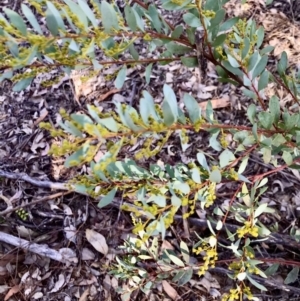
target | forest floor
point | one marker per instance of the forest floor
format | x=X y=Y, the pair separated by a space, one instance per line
x=60 y=219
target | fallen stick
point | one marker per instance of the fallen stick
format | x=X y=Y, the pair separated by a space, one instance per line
x=42 y=250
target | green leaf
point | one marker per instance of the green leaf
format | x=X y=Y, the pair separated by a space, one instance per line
x=249 y=93
x=253 y=61
x=31 y=18
x=287 y=157
x=233 y=62
x=170 y=97
x=278 y=140
x=256 y=284
x=271 y=270
x=56 y=14
x=209 y=111
x=235 y=71
x=202 y=161
x=246 y=48
x=186 y=277
x=51 y=23
x=251 y=113
x=189 y=62
x=133 y=52
x=195 y=174
x=148 y=73
x=266 y=119
x=283 y=63
x=229 y=23
x=260 y=210
x=290 y=121
x=71 y=128
x=74 y=46
x=109 y=17
x=185 y=252
x=266 y=50
x=22 y=84
x=153 y=13
x=82 y=119
x=226 y=157
x=263 y=80
x=169 y=117
x=119 y=82
x=139 y=21
x=215 y=176
x=176 y=260
x=76 y=158
x=292 y=276
x=260 y=36
x=108 y=199
x=191 y=20
x=219 y=40
x=76 y=10
x=130 y=18
x=65 y=15
x=182 y=187
x=274 y=108
x=260 y=67
x=16 y=20
x=193 y=108
x=147 y=108
x=159 y=200
x=177 y=32
x=176 y=201
x=177 y=49
x=88 y=12
x=219 y=17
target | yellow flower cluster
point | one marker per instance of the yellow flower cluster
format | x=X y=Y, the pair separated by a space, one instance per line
x=211 y=194
x=223 y=140
x=210 y=257
x=238 y=293
x=233 y=174
x=248 y=228
x=209 y=13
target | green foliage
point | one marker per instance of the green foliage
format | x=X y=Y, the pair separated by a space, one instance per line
x=75 y=32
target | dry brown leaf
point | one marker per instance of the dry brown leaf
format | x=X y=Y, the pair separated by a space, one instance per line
x=217 y=103
x=104 y=96
x=97 y=240
x=85 y=295
x=14 y=290
x=44 y=114
x=170 y=291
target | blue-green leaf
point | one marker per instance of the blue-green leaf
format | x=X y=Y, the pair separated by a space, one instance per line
x=147 y=108
x=56 y=14
x=17 y=21
x=193 y=108
x=170 y=97
x=89 y=13
x=119 y=82
x=31 y=18
x=109 y=17
x=51 y=23
x=108 y=199
x=76 y=10
x=215 y=176
x=77 y=158
x=148 y=73
x=22 y=84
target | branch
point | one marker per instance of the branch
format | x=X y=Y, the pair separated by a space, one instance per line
x=63 y=255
